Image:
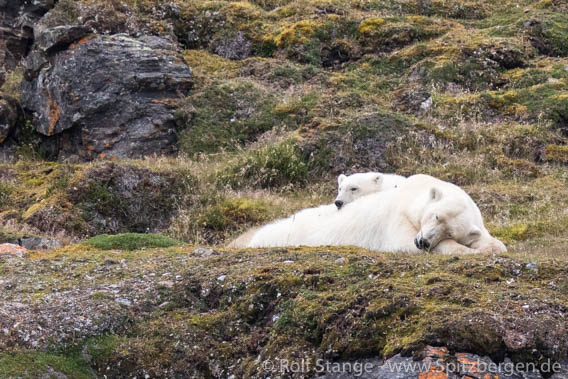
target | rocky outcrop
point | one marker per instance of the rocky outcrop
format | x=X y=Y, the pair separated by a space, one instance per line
x=439 y=362
x=17 y=19
x=104 y=96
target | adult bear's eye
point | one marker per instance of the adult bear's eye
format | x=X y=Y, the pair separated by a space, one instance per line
x=353 y=189
x=437 y=218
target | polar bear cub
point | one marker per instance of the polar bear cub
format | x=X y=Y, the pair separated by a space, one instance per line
x=423 y=213
x=354 y=186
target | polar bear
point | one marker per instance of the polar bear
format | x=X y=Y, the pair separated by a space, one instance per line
x=349 y=189
x=354 y=186
x=422 y=214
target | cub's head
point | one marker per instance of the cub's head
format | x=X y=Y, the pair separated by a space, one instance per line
x=447 y=217
x=354 y=186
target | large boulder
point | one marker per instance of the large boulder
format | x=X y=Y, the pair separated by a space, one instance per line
x=104 y=96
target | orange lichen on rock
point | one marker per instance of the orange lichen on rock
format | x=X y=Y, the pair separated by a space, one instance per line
x=54 y=112
x=10 y=249
x=81 y=41
x=433 y=373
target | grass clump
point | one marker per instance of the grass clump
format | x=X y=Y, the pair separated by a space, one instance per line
x=6 y=191
x=131 y=241
x=231 y=214
x=557 y=153
x=272 y=166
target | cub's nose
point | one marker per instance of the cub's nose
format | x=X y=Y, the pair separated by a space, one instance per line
x=421 y=243
x=338 y=204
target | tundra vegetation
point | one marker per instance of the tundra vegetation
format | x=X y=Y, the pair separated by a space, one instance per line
x=288 y=94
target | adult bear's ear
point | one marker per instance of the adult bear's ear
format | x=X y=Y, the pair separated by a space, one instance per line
x=435 y=194
x=377 y=178
x=340 y=178
x=475 y=232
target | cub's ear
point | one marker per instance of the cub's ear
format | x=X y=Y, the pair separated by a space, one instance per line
x=341 y=178
x=377 y=178
x=435 y=194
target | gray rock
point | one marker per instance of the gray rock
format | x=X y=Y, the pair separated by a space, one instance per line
x=9 y=116
x=17 y=19
x=204 y=252
x=39 y=243
x=233 y=47
x=60 y=37
x=104 y=96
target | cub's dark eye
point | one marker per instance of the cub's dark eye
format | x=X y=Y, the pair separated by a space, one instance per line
x=437 y=218
x=353 y=189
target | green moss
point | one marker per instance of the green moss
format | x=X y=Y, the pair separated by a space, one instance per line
x=511 y=233
x=102 y=347
x=101 y=296
x=297 y=33
x=28 y=364
x=130 y=241
x=246 y=112
x=371 y=25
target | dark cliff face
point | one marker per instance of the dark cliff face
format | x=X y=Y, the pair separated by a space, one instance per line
x=104 y=96
x=16 y=28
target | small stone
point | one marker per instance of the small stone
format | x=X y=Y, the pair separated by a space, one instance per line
x=167 y=283
x=221 y=278
x=124 y=301
x=340 y=260
x=531 y=266
x=288 y=261
x=426 y=104
x=39 y=243
x=203 y=252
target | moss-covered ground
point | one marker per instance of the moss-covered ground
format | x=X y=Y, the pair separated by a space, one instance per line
x=208 y=313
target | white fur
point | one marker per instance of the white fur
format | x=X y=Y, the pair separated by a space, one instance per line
x=352 y=187
x=390 y=221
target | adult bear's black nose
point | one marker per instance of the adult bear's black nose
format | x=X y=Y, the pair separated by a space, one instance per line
x=338 y=204
x=421 y=243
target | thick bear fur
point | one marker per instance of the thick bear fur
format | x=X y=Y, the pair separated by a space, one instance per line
x=352 y=187
x=423 y=213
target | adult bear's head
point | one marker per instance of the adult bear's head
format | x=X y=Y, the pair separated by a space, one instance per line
x=447 y=217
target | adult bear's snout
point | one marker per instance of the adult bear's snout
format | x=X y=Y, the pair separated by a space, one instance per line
x=338 y=204
x=421 y=243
